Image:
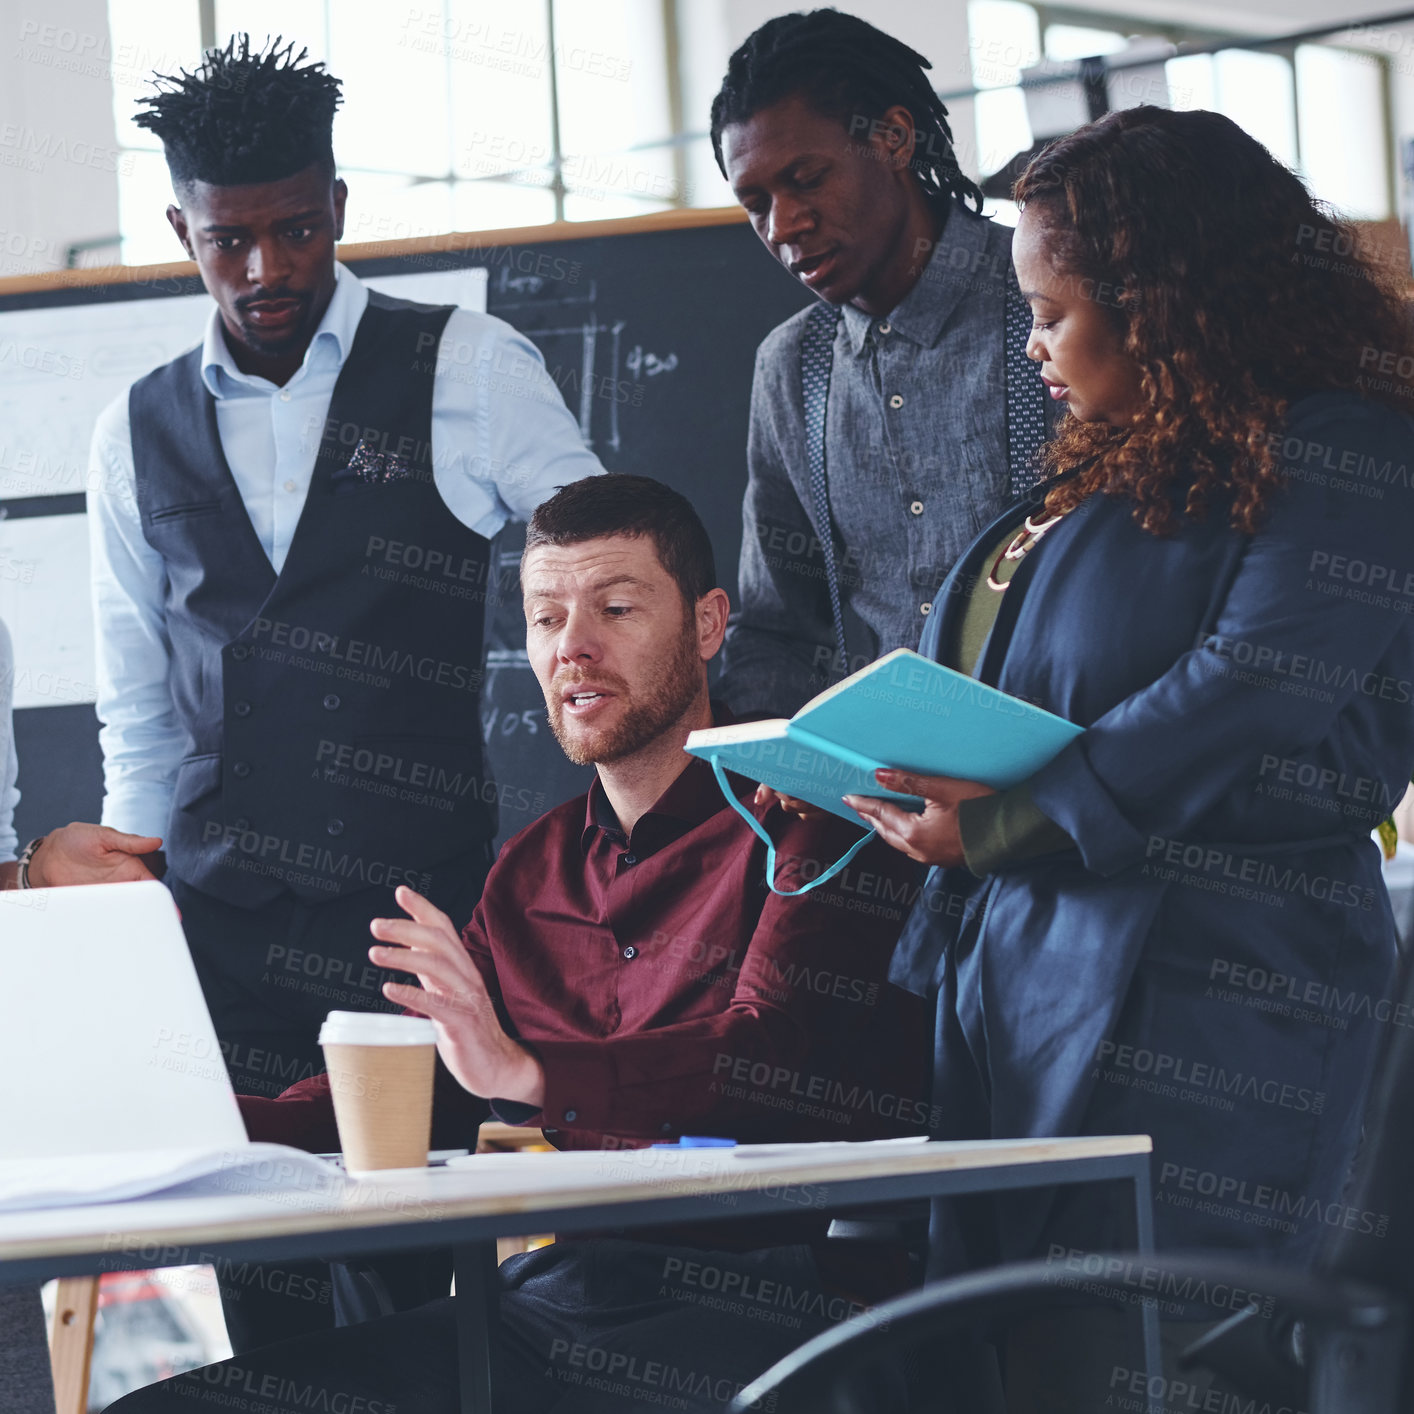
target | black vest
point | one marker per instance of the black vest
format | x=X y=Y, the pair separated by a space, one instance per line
x=332 y=711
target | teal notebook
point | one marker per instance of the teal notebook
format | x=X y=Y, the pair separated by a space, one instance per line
x=904 y=711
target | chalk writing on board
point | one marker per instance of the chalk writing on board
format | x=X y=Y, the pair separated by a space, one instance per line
x=509 y=723
x=584 y=353
x=649 y=365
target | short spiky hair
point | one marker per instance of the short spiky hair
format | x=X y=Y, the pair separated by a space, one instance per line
x=848 y=69
x=619 y=504
x=244 y=116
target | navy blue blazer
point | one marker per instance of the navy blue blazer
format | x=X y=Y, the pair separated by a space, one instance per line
x=1211 y=963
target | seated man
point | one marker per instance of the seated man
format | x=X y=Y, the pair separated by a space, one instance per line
x=629 y=977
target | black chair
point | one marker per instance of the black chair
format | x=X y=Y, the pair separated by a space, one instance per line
x=1328 y=1340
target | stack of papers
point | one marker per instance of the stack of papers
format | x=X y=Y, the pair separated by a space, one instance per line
x=107 y=1178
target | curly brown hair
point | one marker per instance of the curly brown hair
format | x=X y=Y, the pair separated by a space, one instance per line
x=1239 y=293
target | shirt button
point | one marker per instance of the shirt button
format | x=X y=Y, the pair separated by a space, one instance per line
x=886 y=327
x=331 y=702
x=336 y=827
x=289 y=486
x=243 y=824
x=916 y=508
x=665 y=1129
x=896 y=401
x=629 y=858
x=240 y=652
x=925 y=609
x=241 y=769
x=284 y=395
x=242 y=709
x=630 y=952
x=571 y=1116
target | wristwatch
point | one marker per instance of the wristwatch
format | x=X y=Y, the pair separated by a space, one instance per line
x=28 y=853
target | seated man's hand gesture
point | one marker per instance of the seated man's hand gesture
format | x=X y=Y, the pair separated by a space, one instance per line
x=472 y=1042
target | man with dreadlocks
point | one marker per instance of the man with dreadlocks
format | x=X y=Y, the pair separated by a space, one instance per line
x=890 y=420
x=284 y=703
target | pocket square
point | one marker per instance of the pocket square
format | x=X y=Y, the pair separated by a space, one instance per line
x=374 y=468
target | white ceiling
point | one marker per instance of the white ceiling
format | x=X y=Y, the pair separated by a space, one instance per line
x=1257 y=17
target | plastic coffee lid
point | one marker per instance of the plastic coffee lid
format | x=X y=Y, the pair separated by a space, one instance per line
x=374 y=1028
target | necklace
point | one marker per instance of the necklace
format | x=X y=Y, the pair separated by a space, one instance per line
x=1021 y=544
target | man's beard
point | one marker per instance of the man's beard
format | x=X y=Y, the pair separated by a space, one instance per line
x=273 y=345
x=662 y=702
x=257 y=342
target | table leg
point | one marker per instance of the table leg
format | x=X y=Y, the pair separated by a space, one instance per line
x=71 y=1344
x=478 y=1331
x=1149 y=1310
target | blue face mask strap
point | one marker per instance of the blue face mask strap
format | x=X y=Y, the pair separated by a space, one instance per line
x=761 y=834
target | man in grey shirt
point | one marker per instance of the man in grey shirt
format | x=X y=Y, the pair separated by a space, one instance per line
x=838 y=148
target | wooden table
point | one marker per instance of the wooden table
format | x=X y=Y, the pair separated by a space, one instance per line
x=500 y=1195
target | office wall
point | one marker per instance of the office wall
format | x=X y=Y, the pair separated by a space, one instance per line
x=58 y=156
x=1253 y=17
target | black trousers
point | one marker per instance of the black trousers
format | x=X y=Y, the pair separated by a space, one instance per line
x=25 y=1386
x=270 y=975
x=586 y=1328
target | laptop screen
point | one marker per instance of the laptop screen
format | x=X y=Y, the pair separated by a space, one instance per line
x=106 y=1045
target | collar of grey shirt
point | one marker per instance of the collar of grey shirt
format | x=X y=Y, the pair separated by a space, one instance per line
x=958 y=263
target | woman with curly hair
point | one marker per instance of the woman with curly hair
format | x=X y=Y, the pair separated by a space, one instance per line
x=1178 y=927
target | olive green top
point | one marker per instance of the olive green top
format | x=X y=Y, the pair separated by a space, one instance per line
x=1008 y=827
x=983 y=606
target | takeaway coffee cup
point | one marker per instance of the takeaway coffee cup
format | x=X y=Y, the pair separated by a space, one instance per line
x=380 y=1071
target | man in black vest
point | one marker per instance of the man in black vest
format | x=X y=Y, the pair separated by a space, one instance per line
x=292 y=563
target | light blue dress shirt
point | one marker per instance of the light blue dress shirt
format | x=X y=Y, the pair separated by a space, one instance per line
x=502 y=442
x=9 y=763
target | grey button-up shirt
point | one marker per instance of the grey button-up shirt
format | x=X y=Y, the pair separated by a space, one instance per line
x=916 y=453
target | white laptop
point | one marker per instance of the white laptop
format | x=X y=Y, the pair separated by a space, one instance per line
x=112 y=1083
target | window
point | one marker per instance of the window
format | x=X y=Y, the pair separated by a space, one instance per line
x=1321 y=110
x=1255 y=89
x=1341 y=122
x=158 y=36
x=476 y=114
x=614 y=109
x=458 y=115
x=1005 y=38
x=1080 y=42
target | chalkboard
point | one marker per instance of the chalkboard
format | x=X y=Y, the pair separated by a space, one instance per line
x=649 y=327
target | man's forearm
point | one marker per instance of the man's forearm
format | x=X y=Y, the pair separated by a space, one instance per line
x=524 y=1079
x=303 y=1116
x=141 y=739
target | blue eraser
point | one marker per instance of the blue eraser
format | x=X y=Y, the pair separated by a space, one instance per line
x=696 y=1141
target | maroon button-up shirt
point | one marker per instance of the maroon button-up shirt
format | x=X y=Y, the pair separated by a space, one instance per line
x=667 y=991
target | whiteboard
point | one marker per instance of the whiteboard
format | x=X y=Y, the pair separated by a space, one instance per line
x=60 y=366
x=44 y=601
